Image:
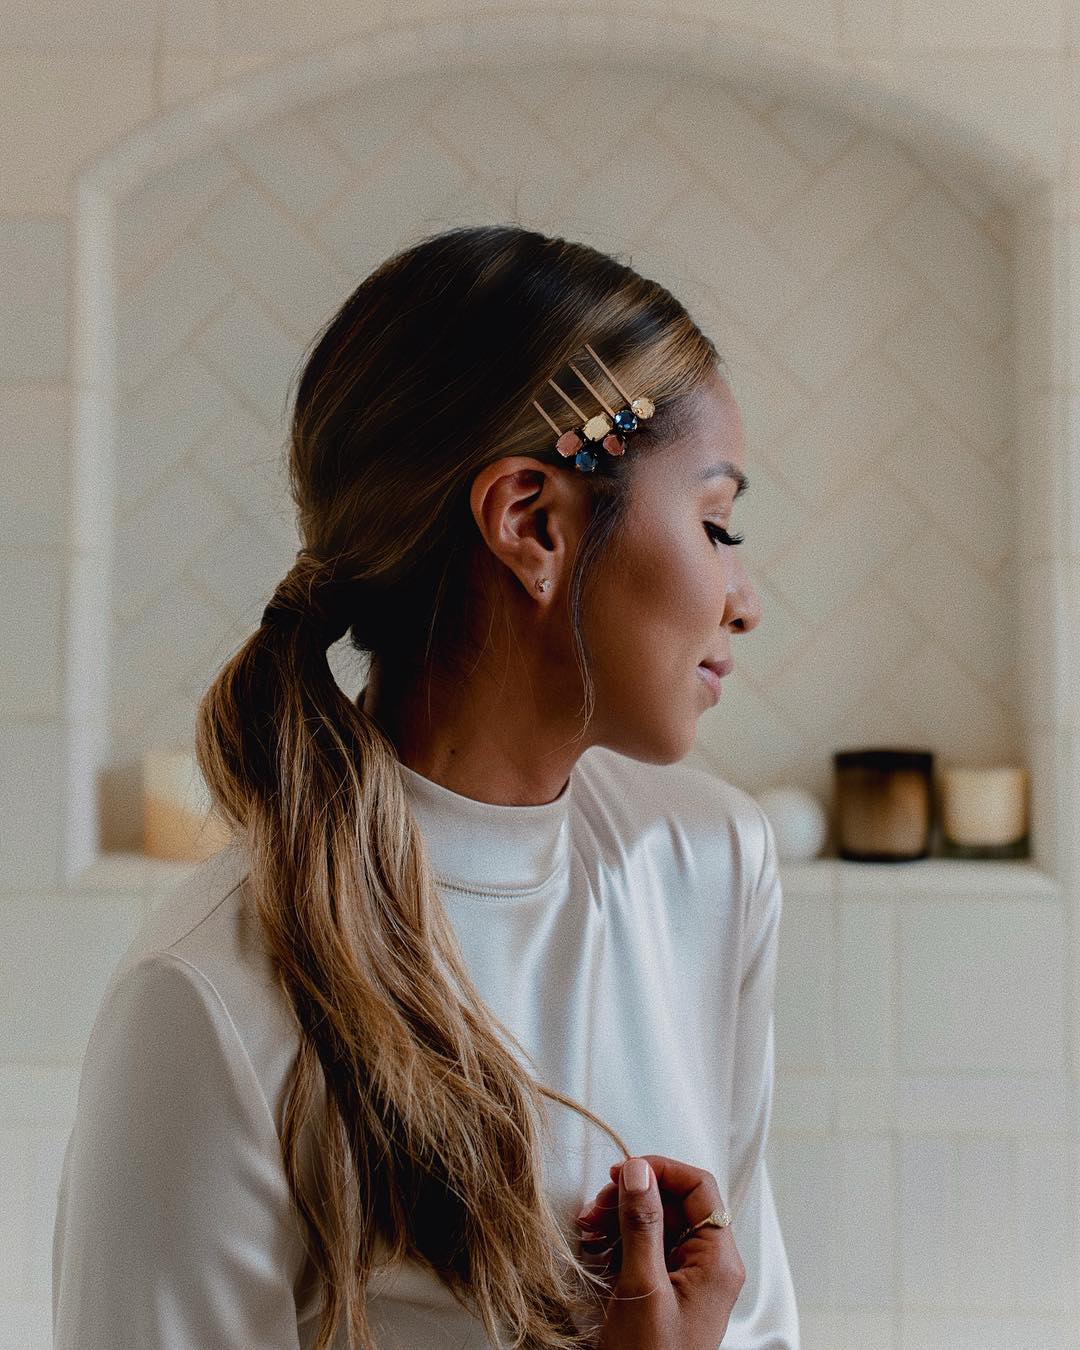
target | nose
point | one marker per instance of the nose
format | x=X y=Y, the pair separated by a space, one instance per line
x=743 y=607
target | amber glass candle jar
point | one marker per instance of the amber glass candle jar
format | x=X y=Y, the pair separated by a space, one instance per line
x=884 y=804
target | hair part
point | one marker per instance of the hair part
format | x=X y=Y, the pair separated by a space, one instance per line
x=407 y=1117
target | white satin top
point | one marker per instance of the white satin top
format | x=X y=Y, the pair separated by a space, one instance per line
x=625 y=932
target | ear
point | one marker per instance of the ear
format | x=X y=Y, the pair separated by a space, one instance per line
x=531 y=516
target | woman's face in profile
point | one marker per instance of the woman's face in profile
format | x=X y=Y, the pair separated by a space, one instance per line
x=672 y=594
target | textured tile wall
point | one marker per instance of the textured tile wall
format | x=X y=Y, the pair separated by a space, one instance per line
x=859 y=298
x=923 y=1141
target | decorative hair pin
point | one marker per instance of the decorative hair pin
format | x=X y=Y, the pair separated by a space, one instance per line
x=610 y=430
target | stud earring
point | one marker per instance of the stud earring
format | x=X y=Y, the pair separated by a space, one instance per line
x=543 y=584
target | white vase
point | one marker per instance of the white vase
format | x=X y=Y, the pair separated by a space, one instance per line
x=800 y=822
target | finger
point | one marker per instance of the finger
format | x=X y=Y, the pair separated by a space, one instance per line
x=695 y=1187
x=641 y=1221
x=602 y=1265
x=603 y=1214
x=605 y=1205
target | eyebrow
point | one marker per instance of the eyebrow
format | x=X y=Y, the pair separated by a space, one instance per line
x=728 y=470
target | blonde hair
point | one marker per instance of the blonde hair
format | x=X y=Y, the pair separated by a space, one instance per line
x=424 y=1126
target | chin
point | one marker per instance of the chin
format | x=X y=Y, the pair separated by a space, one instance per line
x=664 y=744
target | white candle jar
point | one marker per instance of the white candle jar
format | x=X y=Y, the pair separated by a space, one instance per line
x=984 y=810
x=179 y=822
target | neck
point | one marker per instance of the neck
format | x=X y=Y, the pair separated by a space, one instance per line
x=507 y=743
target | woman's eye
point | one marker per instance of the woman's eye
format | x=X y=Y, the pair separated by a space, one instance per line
x=717 y=532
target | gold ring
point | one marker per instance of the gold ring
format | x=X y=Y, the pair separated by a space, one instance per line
x=719 y=1218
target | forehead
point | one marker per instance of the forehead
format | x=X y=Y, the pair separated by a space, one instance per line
x=710 y=433
x=718 y=425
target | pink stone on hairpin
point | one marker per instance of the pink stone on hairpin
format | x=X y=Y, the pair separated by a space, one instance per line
x=613 y=444
x=569 y=443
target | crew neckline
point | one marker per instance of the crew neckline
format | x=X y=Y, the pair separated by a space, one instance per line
x=486 y=847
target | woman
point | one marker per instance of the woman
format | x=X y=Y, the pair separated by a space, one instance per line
x=341 y=1080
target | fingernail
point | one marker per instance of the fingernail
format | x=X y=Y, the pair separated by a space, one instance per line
x=636 y=1175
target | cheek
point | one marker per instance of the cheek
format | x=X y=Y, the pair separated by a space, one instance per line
x=680 y=588
x=657 y=611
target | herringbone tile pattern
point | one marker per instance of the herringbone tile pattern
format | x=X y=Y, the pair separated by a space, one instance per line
x=859 y=299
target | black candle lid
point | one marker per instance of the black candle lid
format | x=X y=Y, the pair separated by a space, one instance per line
x=884 y=759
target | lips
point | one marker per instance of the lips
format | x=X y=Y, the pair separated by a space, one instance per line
x=720 y=668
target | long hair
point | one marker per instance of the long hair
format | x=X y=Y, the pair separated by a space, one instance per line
x=423 y=1127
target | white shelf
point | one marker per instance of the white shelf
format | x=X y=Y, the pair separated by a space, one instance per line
x=134 y=873
x=932 y=877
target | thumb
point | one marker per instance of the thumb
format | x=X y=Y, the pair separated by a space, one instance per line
x=641 y=1223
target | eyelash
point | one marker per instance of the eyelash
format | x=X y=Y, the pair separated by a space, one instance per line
x=716 y=532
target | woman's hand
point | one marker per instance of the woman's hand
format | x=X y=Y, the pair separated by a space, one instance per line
x=664 y=1297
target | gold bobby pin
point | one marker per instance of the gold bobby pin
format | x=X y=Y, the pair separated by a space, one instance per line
x=571 y=443
x=608 y=373
x=595 y=392
x=556 y=429
x=568 y=399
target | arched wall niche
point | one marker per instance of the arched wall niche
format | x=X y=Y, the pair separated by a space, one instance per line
x=689 y=47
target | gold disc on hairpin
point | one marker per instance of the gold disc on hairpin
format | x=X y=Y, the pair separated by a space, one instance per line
x=596 y=428
x=643 y=407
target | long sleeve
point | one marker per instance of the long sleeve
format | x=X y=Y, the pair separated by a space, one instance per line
x=173 y=1230
x=765 y=1316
